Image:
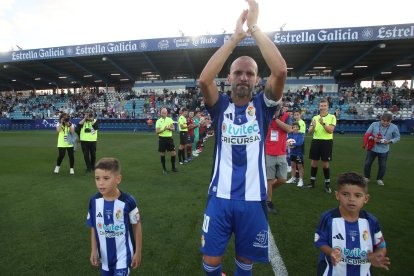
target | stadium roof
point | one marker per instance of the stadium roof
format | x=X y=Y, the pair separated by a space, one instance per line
x=348 y=54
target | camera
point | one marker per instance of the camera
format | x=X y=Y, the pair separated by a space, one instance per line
x=66 y=120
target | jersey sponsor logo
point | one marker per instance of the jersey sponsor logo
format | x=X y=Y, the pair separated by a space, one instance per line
x=352 y=253
x=240 y=134
x=110 y=230
x=261 y=239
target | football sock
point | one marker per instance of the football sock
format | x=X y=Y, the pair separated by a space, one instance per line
x=314 y=171
x=180 y=155
x=243 y=269
x=212 y=270
x=163 y=162
x=326 y=173
x=173 y=162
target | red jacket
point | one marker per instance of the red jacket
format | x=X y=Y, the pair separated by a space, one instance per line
x=369 y=141
x=278 y=147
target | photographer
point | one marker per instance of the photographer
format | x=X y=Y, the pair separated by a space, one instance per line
x=88 y=133
x=66 y=137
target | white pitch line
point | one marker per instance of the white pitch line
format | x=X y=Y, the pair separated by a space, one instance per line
x=276 y=260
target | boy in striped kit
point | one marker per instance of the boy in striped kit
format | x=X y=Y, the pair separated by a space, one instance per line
x=349 y=238
x=113 y=217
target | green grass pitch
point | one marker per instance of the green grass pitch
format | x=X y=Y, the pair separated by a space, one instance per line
x=42 y=215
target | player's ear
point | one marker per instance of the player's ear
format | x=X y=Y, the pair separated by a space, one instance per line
x=337 y=195
x=366 y=198
x=118 y=178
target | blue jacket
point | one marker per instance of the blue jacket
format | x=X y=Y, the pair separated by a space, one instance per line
x=390 y=133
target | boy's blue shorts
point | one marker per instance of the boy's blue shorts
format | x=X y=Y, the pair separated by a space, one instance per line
x=246 y=219
x=116 y=272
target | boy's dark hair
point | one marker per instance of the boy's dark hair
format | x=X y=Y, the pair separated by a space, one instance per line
x=109 y=164
x=351 y=178
x=295 y=124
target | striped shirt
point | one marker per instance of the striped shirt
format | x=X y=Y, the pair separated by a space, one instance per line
x=353 y=239
x=112 y=222
x=239 y=160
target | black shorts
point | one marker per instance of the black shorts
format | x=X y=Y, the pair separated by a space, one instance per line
x=166 y=144
x=298 y=159
x=183 y=137
x=321 y=150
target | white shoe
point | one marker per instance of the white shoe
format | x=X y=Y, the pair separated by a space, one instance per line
x=289 y=169
x=195 y=153
x=56 y=169
x=380 y=182
x=300 y=183
x=71 y=171
x=291 y=180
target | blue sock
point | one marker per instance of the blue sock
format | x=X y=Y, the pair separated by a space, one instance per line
x=212 y=270
x=243 y=269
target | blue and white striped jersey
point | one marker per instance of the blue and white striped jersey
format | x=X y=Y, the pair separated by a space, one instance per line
x=353 y=239
x=239 y=164
x=112 y=221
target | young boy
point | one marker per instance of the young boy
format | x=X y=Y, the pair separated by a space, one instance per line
x=350 y=239
x=113 y=216
x=296 y=153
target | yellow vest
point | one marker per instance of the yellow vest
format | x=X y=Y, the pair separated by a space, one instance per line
x=182 y=121
x=162 y=124
x=91 y=136
x=63 y=138
x=320 y=133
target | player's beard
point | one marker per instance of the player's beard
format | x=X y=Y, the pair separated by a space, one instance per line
x=242 y=90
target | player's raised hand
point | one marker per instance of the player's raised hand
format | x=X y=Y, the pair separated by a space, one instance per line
x=379 y=260
x=253 y=13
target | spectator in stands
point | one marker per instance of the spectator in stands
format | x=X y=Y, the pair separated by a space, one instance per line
x=66 y=140
x=164 y=127
x=322 y=127
x=384 y=133
x=241 y=120
x=87 y=130
x=275 y=150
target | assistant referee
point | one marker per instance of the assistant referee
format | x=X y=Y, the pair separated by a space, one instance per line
x=164 y=127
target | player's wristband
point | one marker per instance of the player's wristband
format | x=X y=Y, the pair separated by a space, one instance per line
x=253 y=28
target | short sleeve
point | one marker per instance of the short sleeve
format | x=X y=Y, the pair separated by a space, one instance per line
x=134 y=217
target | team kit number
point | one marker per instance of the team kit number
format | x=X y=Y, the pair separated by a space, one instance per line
x=205 y=223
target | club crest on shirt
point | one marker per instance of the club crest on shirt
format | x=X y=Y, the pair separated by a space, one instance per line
x=119 y=215
x=251 y=111
x=365 y=235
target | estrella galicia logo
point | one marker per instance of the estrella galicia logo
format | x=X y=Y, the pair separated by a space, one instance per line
x=163 y=44
x=69 y=51
x=261 y=239
x=143 y=45
x=367 y=33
